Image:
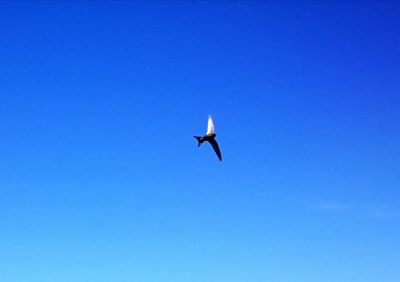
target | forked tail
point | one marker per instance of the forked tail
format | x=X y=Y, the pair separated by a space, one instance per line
x=198 y=138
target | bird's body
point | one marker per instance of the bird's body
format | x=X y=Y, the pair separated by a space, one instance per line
x=210 y=137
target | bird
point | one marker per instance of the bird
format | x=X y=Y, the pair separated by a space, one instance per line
x=210 y=137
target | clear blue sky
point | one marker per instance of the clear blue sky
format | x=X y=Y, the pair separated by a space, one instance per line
x=101 y=178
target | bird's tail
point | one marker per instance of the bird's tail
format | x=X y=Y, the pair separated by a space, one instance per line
x=198 y=138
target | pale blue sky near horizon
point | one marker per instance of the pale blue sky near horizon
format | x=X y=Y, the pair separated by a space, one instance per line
x=101 y=178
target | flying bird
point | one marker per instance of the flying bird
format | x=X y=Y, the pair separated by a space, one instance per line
x=210 y=137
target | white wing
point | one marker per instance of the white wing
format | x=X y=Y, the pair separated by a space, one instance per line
x=210 y=126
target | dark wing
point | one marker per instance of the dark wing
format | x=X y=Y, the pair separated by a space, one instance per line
x=214 y=144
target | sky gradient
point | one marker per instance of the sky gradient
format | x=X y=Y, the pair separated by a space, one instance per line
x=101 y=178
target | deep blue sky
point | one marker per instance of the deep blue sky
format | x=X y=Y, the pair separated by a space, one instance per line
x=101 y=179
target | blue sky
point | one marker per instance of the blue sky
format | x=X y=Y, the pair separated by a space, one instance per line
x=101 y=179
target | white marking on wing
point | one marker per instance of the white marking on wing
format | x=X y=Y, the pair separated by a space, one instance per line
x=210 y=126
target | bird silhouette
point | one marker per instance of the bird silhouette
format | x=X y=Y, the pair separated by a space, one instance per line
x=210 y=137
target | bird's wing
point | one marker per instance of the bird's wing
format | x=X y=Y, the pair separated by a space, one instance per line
x=210 y=126
x=214 y=144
